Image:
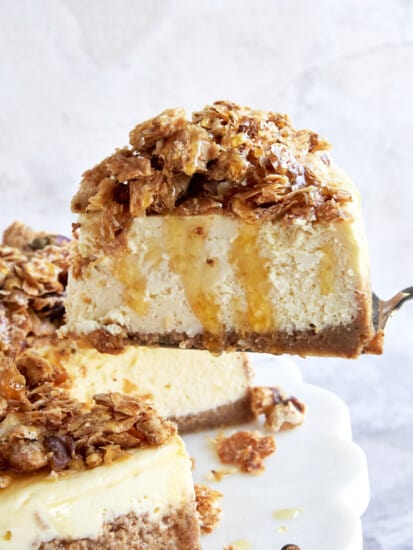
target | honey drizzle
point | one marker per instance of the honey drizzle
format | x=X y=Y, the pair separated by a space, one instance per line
x=135 y=282
x=186 y=245
x=253 y=276
x=327 y=271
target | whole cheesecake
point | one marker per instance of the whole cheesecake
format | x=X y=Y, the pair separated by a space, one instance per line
x=228 y=230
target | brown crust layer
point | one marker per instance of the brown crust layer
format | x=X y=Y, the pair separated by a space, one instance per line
x=179 y=530
x=341 y=341
x=237 y=412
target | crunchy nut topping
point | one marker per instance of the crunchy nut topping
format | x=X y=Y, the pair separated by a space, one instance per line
x=282 y=412
x=33 y=275
x=246 y=449
x=44 y=428
x=37 y=370
x=206 y=505
x=250 y=163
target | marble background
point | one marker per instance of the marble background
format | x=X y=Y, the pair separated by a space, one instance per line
x=77 y=75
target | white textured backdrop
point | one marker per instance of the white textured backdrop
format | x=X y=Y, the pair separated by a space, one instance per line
x=76 y=75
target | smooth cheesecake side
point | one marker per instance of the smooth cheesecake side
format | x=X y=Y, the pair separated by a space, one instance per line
x=227 y=231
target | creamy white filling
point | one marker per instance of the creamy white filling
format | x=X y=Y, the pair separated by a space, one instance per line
x=316 y=272
x=180 y=382
x=73 y=505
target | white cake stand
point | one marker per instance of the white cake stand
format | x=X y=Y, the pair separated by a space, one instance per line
x=315 y=487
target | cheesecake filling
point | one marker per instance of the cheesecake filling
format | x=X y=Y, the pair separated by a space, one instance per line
x=179 y=382
x=74 y=505
x=216 y=273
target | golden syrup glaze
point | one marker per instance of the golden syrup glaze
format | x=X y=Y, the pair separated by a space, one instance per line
x=253 y=275
x=327 y=270
x=186 y=245
x=126 y=270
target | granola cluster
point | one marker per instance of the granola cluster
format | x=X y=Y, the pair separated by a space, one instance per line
x=246 y=449
x=282 y=411
x=252 y=164
x=42 y=427
x=207 y=508
x=33 y=276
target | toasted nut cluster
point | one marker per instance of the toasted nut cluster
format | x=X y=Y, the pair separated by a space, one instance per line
x=252 y=164
x=206 y=505
x=33 y=275
x=282 y=412
x=42 y=427
x=246 y=449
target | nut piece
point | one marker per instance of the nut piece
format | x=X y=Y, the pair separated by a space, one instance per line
x=206 y=505
x=38 y=370
x=247 y=450
x=282 y=412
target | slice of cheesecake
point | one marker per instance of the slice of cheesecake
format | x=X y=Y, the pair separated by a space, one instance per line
x=195 y=389
x=111 y=475
x=229 y=230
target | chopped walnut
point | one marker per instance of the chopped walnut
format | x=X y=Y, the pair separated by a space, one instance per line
x=246 y=449
x=206 y=505
x=251 y=163
x=37 y=370
x=282 y=412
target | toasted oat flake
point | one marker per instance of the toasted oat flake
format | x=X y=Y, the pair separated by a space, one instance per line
x=33 y=275
x=247 y=450
x=206 y=505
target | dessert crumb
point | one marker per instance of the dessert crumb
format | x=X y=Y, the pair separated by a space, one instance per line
x=207 y=508
x=247 y=450
x=218 y=475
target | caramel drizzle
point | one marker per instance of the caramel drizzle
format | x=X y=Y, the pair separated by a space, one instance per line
x=253 y=276
x=186 y=245
x=134 y=281
x=327 y=271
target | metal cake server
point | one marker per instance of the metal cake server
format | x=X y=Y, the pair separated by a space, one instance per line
x=383 y=310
